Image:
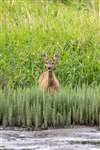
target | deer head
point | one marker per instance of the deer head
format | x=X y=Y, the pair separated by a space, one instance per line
x=50 y=62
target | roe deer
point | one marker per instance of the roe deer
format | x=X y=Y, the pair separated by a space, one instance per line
x=47 y=80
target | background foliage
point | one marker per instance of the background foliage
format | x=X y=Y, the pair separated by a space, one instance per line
x=29 y=27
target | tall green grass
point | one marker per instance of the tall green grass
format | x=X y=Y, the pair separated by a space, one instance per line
x=29 y=28
x=33 y=108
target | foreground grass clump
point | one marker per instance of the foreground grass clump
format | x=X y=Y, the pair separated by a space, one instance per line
x=32 y=108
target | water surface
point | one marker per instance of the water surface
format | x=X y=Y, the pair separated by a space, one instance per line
x=78 y=138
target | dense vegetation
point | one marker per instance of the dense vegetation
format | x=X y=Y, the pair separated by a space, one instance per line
x=28 y=28
x=31 y=108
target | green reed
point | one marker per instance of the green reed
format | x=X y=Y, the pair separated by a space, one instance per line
x=32 y=108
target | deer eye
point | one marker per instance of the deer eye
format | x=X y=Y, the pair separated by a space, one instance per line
x=46 y=62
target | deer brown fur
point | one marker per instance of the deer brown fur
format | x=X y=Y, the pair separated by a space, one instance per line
x=3 y=83
x=48 y=80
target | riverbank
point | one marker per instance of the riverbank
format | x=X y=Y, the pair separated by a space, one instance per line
x=15 y=128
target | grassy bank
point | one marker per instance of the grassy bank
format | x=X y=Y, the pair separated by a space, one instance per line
x=31 y=108
x=28 y=28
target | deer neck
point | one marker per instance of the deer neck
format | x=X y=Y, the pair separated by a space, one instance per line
x=50 y=77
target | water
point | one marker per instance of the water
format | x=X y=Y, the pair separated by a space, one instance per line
x=78 y=138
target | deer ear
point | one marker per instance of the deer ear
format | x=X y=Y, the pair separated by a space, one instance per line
x=45 y=56
x=56 y=57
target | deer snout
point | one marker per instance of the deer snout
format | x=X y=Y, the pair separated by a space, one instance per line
x=49 y=66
